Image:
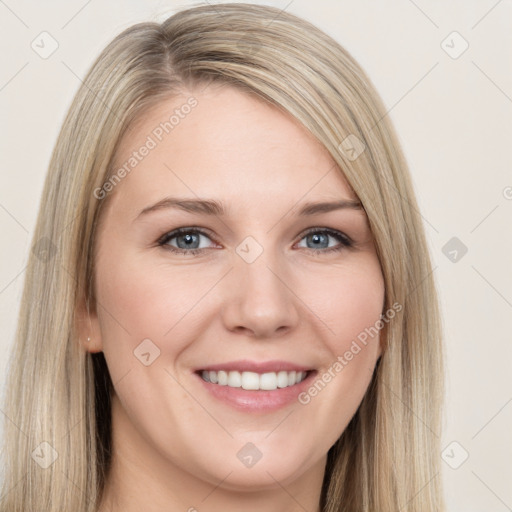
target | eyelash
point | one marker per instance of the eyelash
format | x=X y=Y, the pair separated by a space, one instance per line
x=345 y=241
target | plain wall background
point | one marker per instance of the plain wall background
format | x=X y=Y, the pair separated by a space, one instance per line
x=453 y=117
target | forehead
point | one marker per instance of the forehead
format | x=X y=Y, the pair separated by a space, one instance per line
x=226 y=143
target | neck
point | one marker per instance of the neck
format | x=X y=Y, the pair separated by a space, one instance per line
x=141 y=479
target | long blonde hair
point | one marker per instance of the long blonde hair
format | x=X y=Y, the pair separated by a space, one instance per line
x=58 y=394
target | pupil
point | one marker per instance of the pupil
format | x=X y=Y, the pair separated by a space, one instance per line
x=317 y=238
x=189 y=239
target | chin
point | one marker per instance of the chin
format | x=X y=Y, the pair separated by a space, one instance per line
x=260 y=477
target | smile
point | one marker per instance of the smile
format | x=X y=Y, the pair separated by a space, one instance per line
x=254 y=381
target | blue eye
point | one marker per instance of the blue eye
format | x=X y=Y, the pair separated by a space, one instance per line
x=188 y=241
x=319 y=238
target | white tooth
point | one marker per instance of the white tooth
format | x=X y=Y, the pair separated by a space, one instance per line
x=253 y=381
x=268 y=381
x=282 y=379
x=250 y=380
x=222 y=378
x=234 y=379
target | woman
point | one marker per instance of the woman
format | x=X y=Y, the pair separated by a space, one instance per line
x=186 y=340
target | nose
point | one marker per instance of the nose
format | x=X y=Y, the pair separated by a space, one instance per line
x=260 y=302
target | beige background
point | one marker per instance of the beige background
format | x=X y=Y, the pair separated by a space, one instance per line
x=454 y=118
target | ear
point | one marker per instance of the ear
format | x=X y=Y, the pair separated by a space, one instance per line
x=383 y=341
x=88 y=328
x=383 y=333
x=380 y=349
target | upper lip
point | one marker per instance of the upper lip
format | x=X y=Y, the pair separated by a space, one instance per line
x=256 y=366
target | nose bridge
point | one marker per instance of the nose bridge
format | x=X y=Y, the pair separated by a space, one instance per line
x=261 y=300
x=261 y=276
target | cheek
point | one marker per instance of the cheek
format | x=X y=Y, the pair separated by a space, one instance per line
x=136 y=304
x=352 y=308
x=349 y=300
x=147 y=299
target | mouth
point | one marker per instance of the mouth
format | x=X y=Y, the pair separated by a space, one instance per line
x=258 y=387
x=254 y=381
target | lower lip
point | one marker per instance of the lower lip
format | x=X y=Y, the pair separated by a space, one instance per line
x=257 y=400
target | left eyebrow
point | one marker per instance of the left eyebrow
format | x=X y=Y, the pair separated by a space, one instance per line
x=314 y=208
x=213 y=207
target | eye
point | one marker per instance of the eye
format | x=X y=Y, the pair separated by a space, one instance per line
x=188 y=240
x=318 y=238
x=184 y=240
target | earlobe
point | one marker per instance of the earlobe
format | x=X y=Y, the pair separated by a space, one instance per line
x=93 y=345
x=88 y=330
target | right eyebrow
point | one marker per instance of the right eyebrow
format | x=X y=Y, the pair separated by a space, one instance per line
x=205 y=206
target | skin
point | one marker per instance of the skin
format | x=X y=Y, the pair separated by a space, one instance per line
x=175 y=445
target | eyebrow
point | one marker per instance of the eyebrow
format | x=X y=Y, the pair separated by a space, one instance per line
x=213 y=207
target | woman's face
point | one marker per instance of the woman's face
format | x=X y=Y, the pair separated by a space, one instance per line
x=250 y=294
